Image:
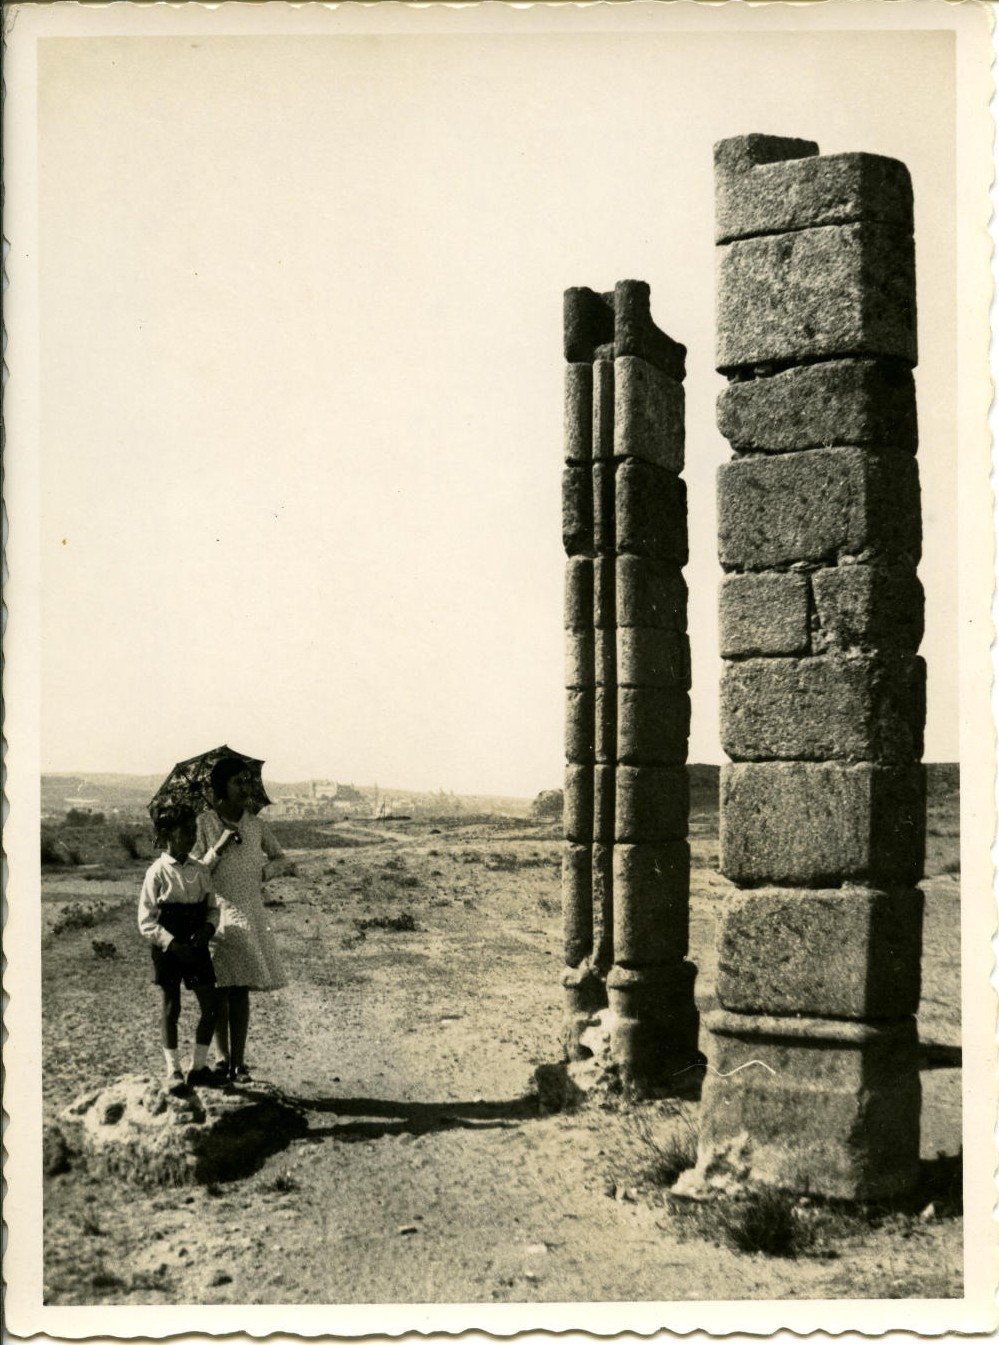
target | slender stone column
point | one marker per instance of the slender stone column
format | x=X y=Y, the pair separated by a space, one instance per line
x=584 y=989
x=638 y=894
x=814 y=1082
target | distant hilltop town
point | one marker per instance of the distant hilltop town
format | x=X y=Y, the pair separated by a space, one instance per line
x=126 y=796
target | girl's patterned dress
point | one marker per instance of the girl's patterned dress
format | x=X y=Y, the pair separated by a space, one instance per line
x=243 y=950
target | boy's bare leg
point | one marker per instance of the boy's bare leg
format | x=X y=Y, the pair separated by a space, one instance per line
x=207 y=997
x=170 y=1015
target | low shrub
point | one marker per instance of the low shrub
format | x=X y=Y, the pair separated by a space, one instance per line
x=764 y=1221
x=50 y=851
x=129 y=843
x=403 y=923
x=76 y=915
x=664 y=1153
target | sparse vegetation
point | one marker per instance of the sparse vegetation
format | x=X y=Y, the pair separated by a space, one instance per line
x=77 y=915
x=403 y=923
x=77 y=817
x=765 y=1221
x=129 y=842
x=666 y=1149
x=50 y=852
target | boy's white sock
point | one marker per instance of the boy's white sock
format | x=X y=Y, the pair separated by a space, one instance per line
x=172 y=1056
x=200 y=1058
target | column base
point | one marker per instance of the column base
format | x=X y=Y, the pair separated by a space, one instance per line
x=585 y=995
x=812 y=1105
x=655 y=1027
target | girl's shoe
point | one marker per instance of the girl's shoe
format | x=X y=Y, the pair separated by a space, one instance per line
x=221 y=1069
x=175 y=1083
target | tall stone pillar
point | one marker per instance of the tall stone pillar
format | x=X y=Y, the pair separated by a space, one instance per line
x=813 y=1082
x=635 y=663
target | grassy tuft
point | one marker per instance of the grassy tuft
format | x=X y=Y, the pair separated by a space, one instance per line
x=764 y=1221
x=664 y=1153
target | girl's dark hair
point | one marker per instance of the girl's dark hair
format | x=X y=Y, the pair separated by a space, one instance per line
x=222 y=773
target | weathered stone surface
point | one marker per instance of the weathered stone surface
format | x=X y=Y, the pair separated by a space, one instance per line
x=603 y=508
x=587 y=322
x=821 y=1106
x=602 y=430
x=651 y=512
x=603 y=906
x=579 y=667
x=652 y=658
x=650 y=594
x=137 y=1130
x=605 y=714
x=636 y=334
x=648 y=414
x=578 y=604
x=605 y=656
x=652 y=804
x=585 y=995
x=577 y=903
x=604 y=598
x=867 y=607
x=870 y=707
x=651 y=902
x=617 y=323
x=841 y=953
x=822 y=823
x=868 y=403
x=821 y=293
x=577 y=808
x=741 y=153
x=819 y=506
x=579 y=725
x=577 y=510
x=653 y=724
x=654 y=1025
x=603 y=804
x=578 y=418
x=764 y=614
x=805 y=192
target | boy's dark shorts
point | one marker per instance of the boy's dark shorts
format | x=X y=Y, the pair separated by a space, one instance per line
x=196 y=973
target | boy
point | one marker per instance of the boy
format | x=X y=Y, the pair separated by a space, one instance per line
x=179 y=914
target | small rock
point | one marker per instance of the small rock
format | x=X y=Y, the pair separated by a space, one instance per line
x=610 y=1188
x=221 y=1277
x=408 y=1228
x=929 y=1215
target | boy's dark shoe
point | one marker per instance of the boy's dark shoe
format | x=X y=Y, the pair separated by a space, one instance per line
x=202 y=1078
x=240 y=1074
x=175 y=1084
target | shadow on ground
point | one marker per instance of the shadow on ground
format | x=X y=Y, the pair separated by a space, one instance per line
x=369 y=1118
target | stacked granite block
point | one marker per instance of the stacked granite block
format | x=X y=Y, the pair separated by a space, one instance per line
x=814 y=1078
x=626 y=867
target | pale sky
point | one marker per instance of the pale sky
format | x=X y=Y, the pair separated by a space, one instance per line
x=301 y=372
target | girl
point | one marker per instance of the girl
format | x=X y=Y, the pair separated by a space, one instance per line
x=244 y=952
x=178 y=914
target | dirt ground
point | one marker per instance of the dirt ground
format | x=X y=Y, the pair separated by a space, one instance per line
x=428 y=1172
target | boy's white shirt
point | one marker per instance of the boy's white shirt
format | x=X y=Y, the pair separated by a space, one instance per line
x=177 y=889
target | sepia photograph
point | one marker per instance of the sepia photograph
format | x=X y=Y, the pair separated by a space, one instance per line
x=499 y=754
